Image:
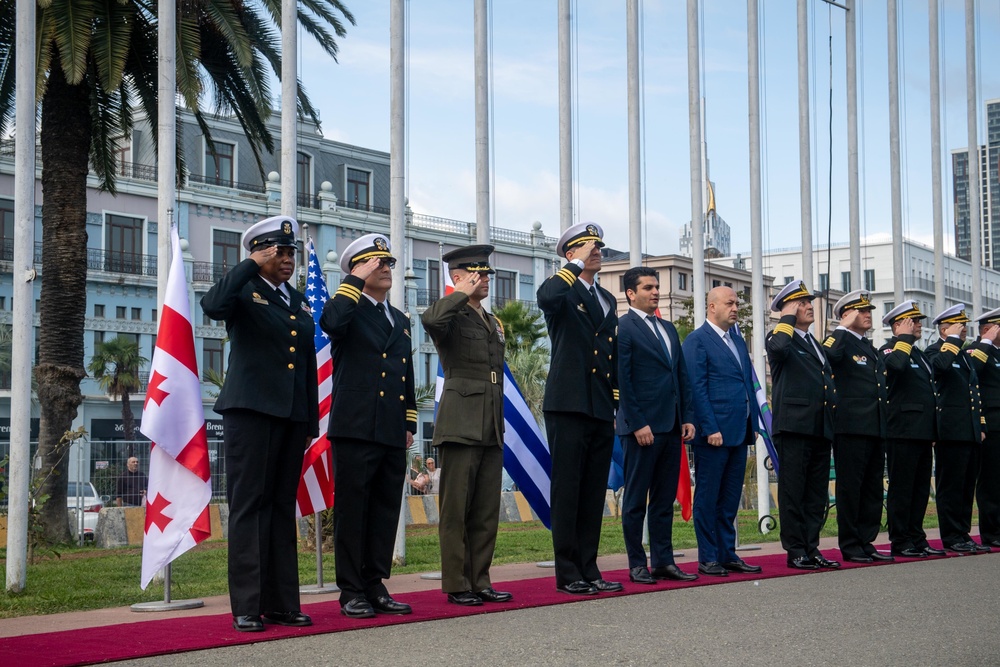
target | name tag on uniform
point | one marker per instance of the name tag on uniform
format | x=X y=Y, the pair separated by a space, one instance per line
x=913 y=365
x=257 y=298
x=582 y=308
x=956 y=365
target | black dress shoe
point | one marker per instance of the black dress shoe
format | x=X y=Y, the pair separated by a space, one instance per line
x=357 y=608
x=672 y=572
x=879 y=556
x=640 y=575
x=712 y=569
x=825 y=563
x=295 y=619
x=860 y=559
x=465 y=599
x=742 y=566
x=992 y=543
x=802 y=563
x=248 y=624
x=930 y=551
x=911 y=552
x=961 y=548
x=981 y=548
x=603 y=586
x=492 y=595
x=384 y=604
x=578 y=588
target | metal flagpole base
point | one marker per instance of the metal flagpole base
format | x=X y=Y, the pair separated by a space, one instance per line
x=546 y=563
x=163 y=605
x=678 y=554
x=435 y=576
x=749 y=547
x=317 y=589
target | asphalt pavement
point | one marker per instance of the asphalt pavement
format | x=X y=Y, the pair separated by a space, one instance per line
x=937 y=612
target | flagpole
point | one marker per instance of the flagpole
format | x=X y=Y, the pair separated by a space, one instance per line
x=319 y=587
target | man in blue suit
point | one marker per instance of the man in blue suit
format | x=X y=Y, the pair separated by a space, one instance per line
x=654 y=414
x=724 y=406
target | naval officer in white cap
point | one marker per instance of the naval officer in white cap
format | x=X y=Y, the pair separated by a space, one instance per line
x=270 y=412
x=986 y=361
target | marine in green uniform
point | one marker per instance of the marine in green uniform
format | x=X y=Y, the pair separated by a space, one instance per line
x=469 y=427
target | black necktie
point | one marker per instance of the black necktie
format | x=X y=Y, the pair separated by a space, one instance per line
x=281 y=295
x=593 y=293
x=383 y=320
x=659 y=336
x=815 y=347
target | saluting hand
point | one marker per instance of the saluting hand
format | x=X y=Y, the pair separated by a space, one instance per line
x=364 y=269
x=954 y=329
x=907 y=326
x=849 y=318
x=264 y=255
x=790 y=308
x=469 y=283
x=990 y=334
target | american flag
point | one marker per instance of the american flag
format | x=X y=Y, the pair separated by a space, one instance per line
x=316 y=486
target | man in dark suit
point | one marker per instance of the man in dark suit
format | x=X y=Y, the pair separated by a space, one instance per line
x=581 y=395
x=270 y=412
x=859 y=427
x=911 y=428
x=960 y=430
x=469 y=427
x=654 y=416
x=373 y=416
x=986 y=361
x=724 y=405
x=803 y=402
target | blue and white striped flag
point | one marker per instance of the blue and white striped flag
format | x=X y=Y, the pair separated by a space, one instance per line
x=525 y=452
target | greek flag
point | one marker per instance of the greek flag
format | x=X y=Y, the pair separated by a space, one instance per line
x=525 y=452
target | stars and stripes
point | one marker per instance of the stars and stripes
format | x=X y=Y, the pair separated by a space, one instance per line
x=315 y=492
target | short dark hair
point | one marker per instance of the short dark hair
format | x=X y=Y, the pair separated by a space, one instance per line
x=631 y=278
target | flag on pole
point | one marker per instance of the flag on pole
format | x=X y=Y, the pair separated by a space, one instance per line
x=525 y=453
x=315 y=492
x=763 y=412
x=173 y=418
x=684 y=493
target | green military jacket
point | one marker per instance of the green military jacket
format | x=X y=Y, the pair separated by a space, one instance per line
x=471 y=349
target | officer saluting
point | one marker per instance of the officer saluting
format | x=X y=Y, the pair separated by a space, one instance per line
x=373 y=416
x=859 y=425
x=270 y=413
x=986 y=361
x=469 y=427
x=910 y=431
x=960 y=430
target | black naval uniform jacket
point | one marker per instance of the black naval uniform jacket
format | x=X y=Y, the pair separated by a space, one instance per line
x=959 y=413
x=862 y=394
x=803 y=394
x=912 y=392
x=272 y=359
x=373 y=397
x=583 y=374
x=985 y=360
x=471 y=351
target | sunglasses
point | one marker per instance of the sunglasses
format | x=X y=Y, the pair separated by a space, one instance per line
x=387 y=261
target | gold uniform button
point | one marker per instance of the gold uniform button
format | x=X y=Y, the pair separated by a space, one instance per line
x=607 y=375
x=404 y=378
x=595 y=353
x=593 y=370
x=383 y=355
x=291 y=317
x=383 y=373
x=404 y=360
x=610 y=339
x=291 y=367
x=291 y=349
x=609 y=357
x=294 y=332
x=381 y=393
x=401 y=398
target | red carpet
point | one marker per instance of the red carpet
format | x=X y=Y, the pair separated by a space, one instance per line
x=157 y=637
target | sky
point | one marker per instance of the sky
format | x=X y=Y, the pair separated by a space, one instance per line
x=353 y=98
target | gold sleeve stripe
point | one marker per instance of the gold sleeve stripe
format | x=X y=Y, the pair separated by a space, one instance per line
x=411 y=415
x=353 y=295
x=830 y=340
x=614 y=393
x=950 y=347
x=900 y=346
x=786 y=329
x=982 y=420
x=566 y=275
x=982 y=356
x=350 y=289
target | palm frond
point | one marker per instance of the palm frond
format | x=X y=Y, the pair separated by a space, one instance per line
x=111 y=41
x=72 y=23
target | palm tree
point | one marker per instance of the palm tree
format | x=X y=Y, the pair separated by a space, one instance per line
x=115 y=365
x=522 y=325
x=96 y=63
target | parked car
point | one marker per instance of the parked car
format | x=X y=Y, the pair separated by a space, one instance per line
x=83 y=496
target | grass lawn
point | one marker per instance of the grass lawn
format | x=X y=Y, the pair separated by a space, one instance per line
x=84 y=578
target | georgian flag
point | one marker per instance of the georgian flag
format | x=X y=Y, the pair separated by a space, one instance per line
x=174 y=420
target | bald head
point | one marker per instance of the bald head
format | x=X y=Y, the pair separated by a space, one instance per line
x=722 y=307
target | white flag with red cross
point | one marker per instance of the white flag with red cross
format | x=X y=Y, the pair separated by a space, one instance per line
x=173 y=418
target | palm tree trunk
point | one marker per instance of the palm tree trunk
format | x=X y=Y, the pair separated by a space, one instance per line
x=128 y=424
x=65 y=143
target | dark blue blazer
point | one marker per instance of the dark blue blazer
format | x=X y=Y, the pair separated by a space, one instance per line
x=651 y=391
x=723 y=392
